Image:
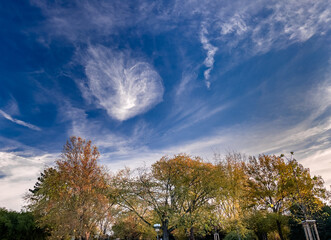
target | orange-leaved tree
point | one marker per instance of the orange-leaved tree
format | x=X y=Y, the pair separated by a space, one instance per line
x=70 y=198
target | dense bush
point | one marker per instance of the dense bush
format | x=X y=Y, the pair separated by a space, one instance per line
x=20 y=226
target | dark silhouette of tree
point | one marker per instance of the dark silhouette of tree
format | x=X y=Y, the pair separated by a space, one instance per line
x=19 y=226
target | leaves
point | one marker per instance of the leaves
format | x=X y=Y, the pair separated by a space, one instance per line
x=186 y=195
x=19 y=226
x=71 y=197
x=173 y=192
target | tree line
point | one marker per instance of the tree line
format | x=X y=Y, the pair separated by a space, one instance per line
x=235 y=196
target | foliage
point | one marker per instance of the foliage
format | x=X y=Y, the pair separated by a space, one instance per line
x=128 y=227
x=173 y=193
x=307 y=192
x=231 y=199
x=70 y=199
x=323 y=222
x=236 y=235
x=194 y=184
x=19 y=226
x=264 y=224
x=274 y=185
x=247 y=198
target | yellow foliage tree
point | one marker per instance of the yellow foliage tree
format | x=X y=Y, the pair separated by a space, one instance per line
x=275 y=184
x=70 y=198
x=173 y=193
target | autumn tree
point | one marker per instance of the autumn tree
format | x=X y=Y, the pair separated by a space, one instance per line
x=127 y=226
x=173 y=193
x=70 y=198
x=306 y=192
x=275 y=184
x=194 y=184
x=231 y=198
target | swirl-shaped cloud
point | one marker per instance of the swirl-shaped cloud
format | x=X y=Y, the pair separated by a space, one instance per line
x=125 y=87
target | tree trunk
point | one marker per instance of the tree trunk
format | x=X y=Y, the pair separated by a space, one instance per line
x=279 y=228
x=165 y=230
x=192 y=233
x=262 y=236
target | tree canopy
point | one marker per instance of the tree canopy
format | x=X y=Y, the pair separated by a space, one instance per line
x=70 y=198
x=19 y=226
x=262 y=197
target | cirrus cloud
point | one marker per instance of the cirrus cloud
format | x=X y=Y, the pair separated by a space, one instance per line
x=125 y=87
x=211 y=51
x=19 y=122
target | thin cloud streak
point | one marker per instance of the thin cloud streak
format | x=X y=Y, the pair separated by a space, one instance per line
x=19 y=122
x=185 y=85
x=211 y=51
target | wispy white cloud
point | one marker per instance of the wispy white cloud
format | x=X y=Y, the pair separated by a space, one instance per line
x=211 y=51
x=122 y=85
x=19 y=174
x=19 y=122
x=84 y=20
x=242 y=29
x=79 y=19
x=262 y=26
x=282 y=21
x=235 y=24
x=245 y=29
x=111 y=142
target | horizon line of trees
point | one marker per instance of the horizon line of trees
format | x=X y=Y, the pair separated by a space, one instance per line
x=237 y=197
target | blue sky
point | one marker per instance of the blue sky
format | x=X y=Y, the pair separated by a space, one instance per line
x=142 y=79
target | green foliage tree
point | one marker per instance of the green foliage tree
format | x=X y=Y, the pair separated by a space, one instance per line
x=236 y=235
x=323 y=218
x=323 y=222
x=268 y=188
x=306 y=192
x=175 y=192
x=19 y=226
x=274 y=185
x=127 y=226
x=195 y=183
x=262 y=223
x=70 y=199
